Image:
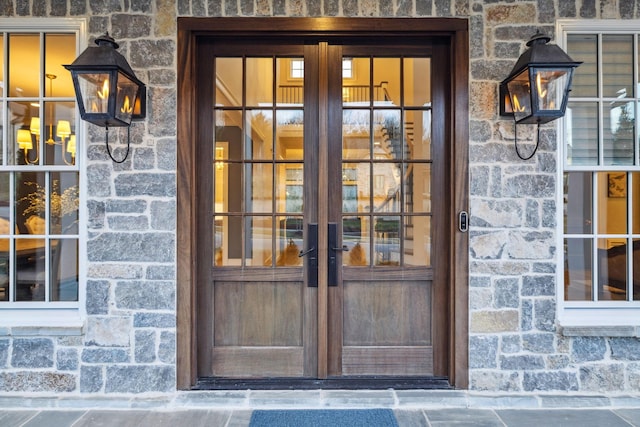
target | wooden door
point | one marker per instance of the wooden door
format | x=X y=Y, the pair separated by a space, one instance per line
x=387 y=136
x=325 y=158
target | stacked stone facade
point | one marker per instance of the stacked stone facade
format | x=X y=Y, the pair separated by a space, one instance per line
x=128 y=343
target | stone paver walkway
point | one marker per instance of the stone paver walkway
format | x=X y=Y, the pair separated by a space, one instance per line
x=233 y=408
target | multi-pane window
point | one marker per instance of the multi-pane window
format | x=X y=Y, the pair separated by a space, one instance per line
x=601 y=171
x=39 y=169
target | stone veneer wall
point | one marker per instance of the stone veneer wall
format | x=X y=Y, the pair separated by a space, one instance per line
x=128 y=345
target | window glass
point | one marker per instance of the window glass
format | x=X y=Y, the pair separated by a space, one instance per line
x=584 y=47
x=39 y=175
x=617 y=66
x=601 y=192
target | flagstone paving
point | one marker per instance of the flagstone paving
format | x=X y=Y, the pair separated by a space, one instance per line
x=411 y=408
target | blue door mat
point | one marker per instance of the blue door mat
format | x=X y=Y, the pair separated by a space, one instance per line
x=324 y=417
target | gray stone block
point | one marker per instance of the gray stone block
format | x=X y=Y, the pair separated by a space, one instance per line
x=625 y=348
x=97 y=292
x=154 y=320
x=32 y=353
x=550 y=381
x=145 y=346
x=142 y=295
x=521 y=362
x=140 y=379
x=167 y=347
x=602 y=378
x=67 y=359
x=132 y=247
x=483 y=351
x=91 y=380
x=4 y=353
x=588 y=349
x=105 y=355
x=539 y=343
x=37 y=381
x=145 y=184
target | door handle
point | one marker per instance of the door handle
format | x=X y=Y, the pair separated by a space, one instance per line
x=312 y=260
x=333 y=254
x=307 y=252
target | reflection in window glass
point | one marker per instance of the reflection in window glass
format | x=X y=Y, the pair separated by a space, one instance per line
x=59 y=49
x=259 y=81
x=289 y=241
x=417 y=188
x=417 y=135
x=64 y=270
x=578 y=269
x=618 y=133
x=259 y=135
x=297 y=68
x=612 y=205
x=578 y=206
x=4 y=263
x=386 y=240
x=228 y=82
x=259 y=181
x=385 y=81
x=63 y=203
x=355 y=235
x=417 y=241
x=417 y=88
x=258 y=238
x=584 y=47
x=30 y=256
x=612 y=269
x=356 y=133
x=289 y=133
x=581 y=138
x=58 y=132
x=24 y=65
x=289 y=189
x=356 y=91
x=636 y=269
x=617 y=66
x=25 y=131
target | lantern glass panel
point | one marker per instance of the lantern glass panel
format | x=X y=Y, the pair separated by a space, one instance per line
x=94 y=88
x=550 y=87
x=519 y=94
x=126 y=93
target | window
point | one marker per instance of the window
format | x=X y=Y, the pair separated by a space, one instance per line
x=600 y=176
x=39 y=166
x=297 y=68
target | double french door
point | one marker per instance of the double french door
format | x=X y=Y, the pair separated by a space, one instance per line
x=322 y=185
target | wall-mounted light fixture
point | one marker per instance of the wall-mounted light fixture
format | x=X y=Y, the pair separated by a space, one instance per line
x=23 y=138
x=536 y=90
x=107 y=90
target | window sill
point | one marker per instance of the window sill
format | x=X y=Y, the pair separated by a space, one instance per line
x=41 y=322
x=600 y=322
x=601 y=331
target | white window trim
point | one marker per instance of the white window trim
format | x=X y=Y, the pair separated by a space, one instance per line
x=605 y=318
x=59 y=318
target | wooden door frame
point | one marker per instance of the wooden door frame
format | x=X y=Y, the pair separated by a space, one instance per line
x=188 y=270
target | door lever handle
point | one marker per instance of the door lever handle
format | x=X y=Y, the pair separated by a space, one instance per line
x=307 y=252
x=344 y=248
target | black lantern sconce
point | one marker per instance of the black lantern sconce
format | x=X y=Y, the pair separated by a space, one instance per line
x=536 y=90
x=107 y=90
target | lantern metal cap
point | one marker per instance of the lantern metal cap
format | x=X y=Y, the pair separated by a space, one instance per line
x=541 y=54
x=103 y=56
